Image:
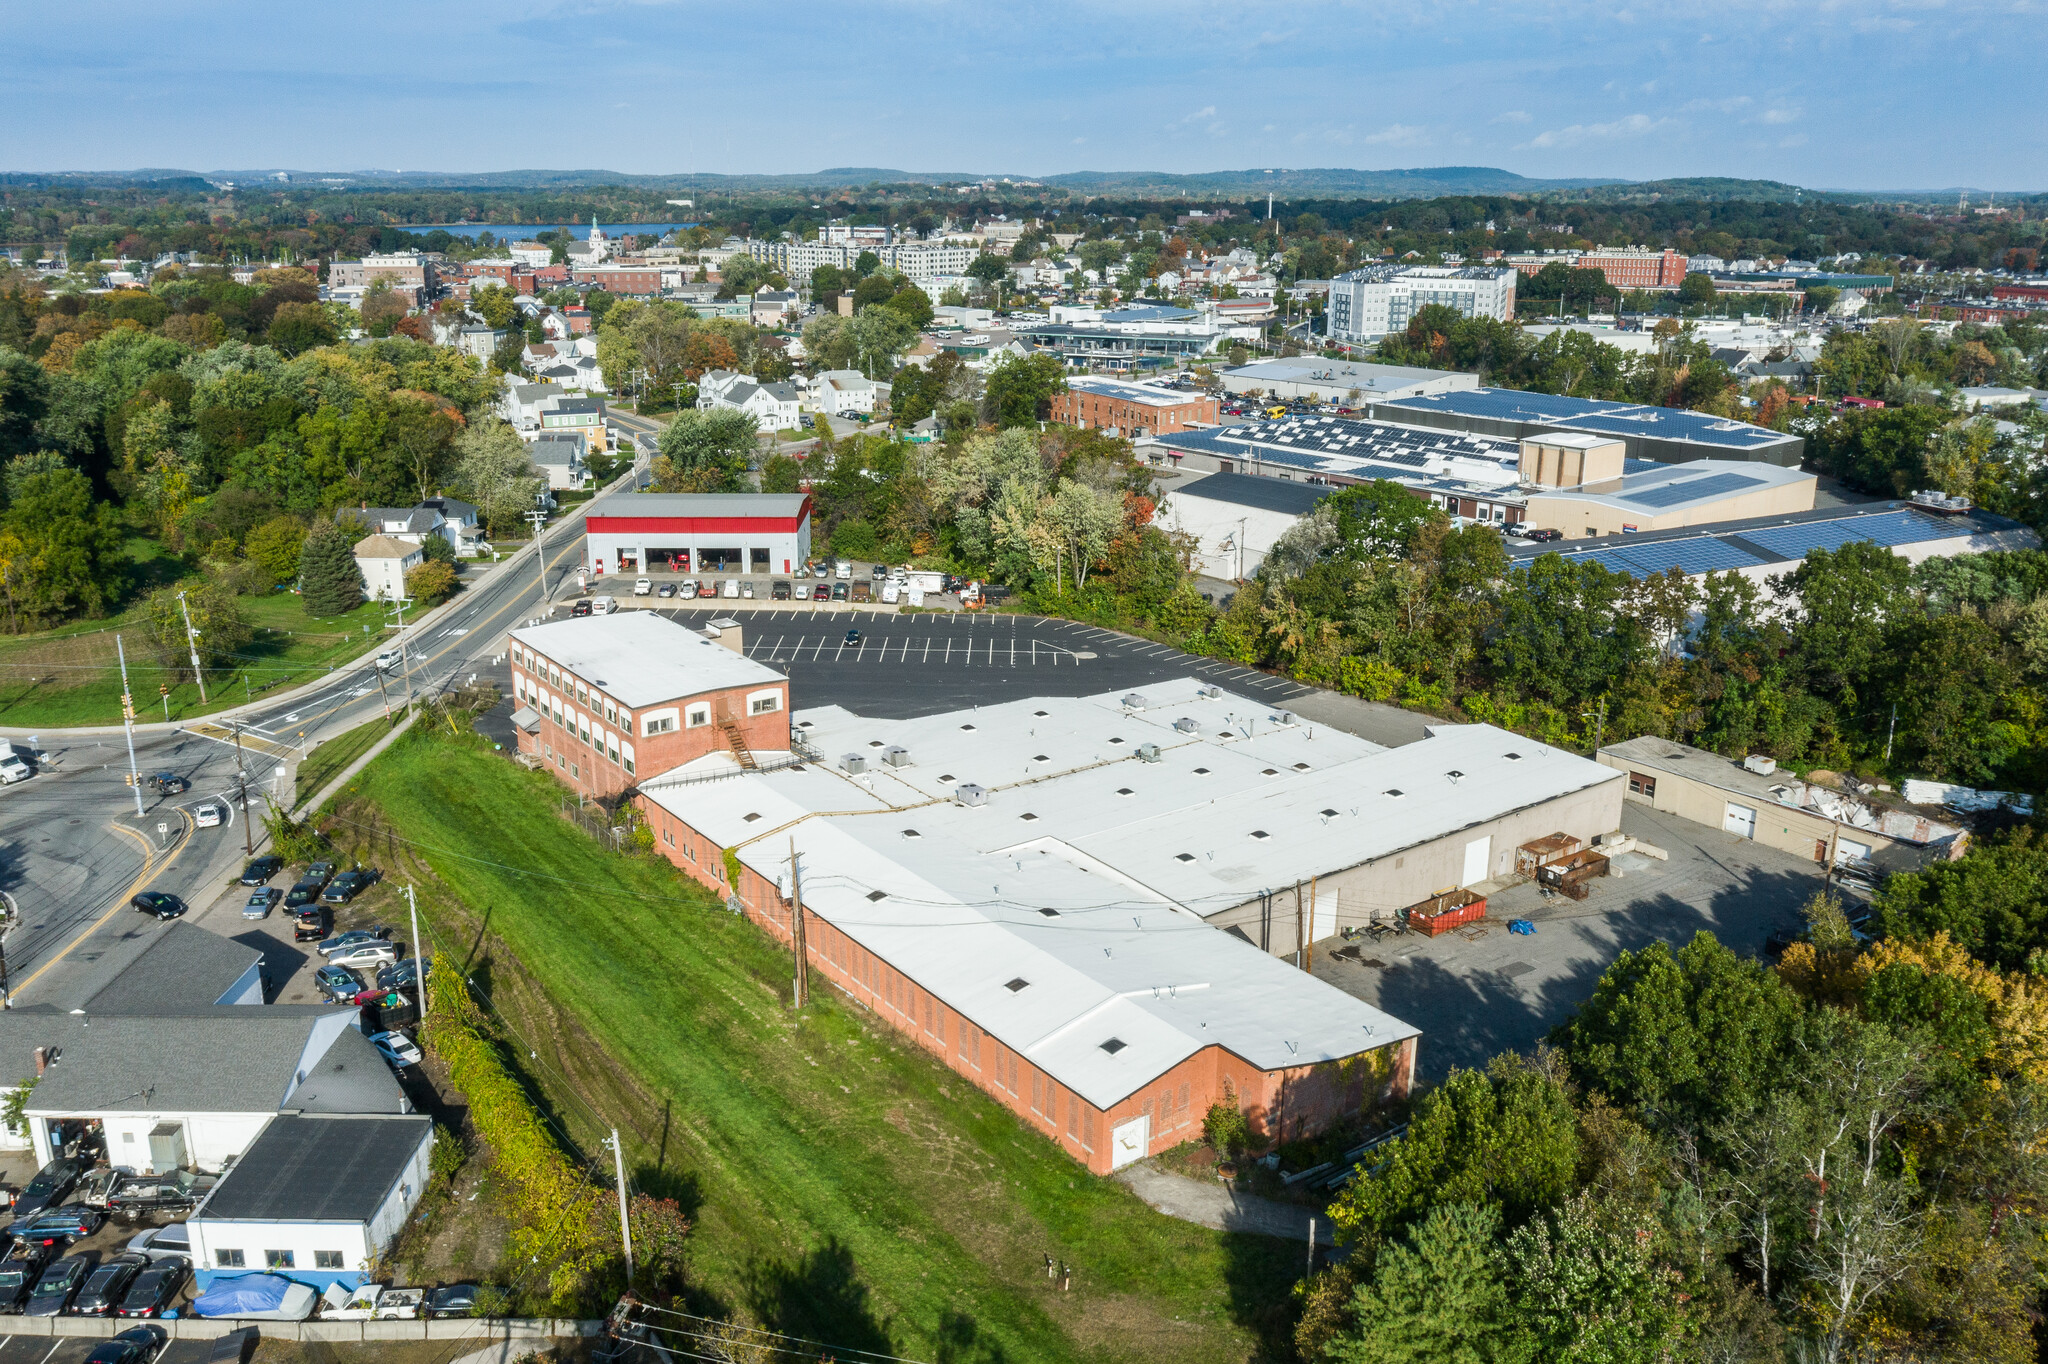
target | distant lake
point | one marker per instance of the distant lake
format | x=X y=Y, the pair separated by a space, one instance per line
x=526 y=231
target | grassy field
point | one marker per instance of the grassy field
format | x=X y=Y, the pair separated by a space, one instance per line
x=330 y=756
x=844 y=1186
x=72 y=676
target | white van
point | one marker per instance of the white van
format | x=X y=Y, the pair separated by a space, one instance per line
x=603 y=606
x=843 y=569
x=732 y=588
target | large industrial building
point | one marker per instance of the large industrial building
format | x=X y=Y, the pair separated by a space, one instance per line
x=1088 y=906
x=1234 y=520
x=1577 y=483
x=1349 y=382
x=1367 y=304
x=700 y=532
x=1765 y=547
x=1667 y=435
x=1133 y=410
x=1094 y=908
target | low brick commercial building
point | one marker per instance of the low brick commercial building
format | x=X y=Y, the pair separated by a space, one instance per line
x=1131 y=410
x=609 y=701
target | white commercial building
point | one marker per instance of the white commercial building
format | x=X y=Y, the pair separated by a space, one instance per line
x=1340 y=381
x=316 y=1197
x=700 y=532
x=1367 y=304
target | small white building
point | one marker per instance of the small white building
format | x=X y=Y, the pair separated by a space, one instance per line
x=1235 y=518
x=384 y=560
x=188 y=1089
x=774 y=407
x=315 y=1197
x=847 y=392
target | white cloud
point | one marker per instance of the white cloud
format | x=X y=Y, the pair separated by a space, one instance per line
x=1780 y=116
x=1077 y=142
x=1397 y=135
x=1510 y=116
x=1635 y=125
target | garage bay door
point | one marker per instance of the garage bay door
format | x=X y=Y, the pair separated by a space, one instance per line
x=1739 y=819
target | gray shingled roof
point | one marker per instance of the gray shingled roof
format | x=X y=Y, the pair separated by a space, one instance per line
x=324 y=1168
x=353 y=1077
x=184 y=966
x=219 y=1059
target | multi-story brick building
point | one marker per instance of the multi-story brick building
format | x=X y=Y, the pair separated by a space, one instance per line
x=400 y=269
x=1636 y=267
x=609 y=701
x=1126 y=409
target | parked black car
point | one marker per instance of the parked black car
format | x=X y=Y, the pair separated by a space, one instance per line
x=58 y=1226
x=347 y=886
x=312 y=923
x=49 y=1187
x=323 y=872
x=581 y=608
x=58 y=1286
x=159 y=904
x=303 y=893
x=451 y=1300
x=261 y=869
x=176 y=1192
x=137 y=1345
x=18 y=1275
x=405 y=974
x=106 y=1286
x=156 y=1287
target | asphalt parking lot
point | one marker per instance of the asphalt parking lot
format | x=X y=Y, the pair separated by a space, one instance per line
x=74 y=1349
x=1483 y=990
x=910 y=665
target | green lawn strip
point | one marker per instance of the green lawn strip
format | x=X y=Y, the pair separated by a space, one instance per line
x=851 y=1188
x=289 y=648
x=330 y=756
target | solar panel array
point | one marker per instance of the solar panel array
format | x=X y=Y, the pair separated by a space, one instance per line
x=1692 y=489
x=1589 y=414
x=1702 y=554
x=1888 y=528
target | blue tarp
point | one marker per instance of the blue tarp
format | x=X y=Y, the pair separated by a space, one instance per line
x=254 y=1295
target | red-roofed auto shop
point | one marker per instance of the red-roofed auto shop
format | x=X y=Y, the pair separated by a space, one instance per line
x=700 y=533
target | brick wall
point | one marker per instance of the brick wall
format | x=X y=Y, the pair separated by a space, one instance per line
x=1077 y=407
x=598 y=747
x=1285 y=1104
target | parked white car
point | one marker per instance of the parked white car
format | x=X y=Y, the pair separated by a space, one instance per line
x=397 y=1048
x=643 y=587
x=371 y=1302
x=732 y=588
x=390 y=659
x=360 y=954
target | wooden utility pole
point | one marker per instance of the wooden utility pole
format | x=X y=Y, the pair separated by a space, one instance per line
x=1308 y=951
x=1300 y=925
x=796 y=930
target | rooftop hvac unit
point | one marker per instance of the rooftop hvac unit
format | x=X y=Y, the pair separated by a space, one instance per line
x=1148 y=753
x=1211 y=692
x=1133 y=701
x=896 y=755
x=1187 y=724
x=854 y=762
x=967 y=793
x=1283 y=717
x=1759 y=764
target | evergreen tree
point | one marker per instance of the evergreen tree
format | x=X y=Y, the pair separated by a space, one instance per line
x=328 y=577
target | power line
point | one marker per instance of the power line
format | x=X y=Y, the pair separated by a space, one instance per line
x=851 y=1352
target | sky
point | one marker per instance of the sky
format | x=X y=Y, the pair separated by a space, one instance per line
x=1871 y=94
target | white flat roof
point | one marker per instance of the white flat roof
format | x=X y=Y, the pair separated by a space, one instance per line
x=641 y=657
x=1089 y=872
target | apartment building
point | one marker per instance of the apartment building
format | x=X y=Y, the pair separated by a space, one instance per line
x=1636 y=267
x=1367 y=304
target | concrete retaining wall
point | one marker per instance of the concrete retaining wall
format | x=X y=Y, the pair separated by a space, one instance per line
x=481 y=1331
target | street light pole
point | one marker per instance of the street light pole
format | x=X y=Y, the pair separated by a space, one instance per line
x=192 y=642
x=242 y=781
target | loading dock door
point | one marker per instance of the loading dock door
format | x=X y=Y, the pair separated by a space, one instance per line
x=1739 y=820
x=1477 y=854
x=1128 y=1142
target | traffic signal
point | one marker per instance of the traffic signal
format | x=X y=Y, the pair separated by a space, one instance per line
x=163 y=689
x=134 y=778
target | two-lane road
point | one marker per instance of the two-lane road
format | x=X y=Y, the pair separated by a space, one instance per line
x=72 y=850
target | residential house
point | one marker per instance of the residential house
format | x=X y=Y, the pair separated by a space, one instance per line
x=584 y=416
x=384 y=560
x=848 y=392
x=773 y=407
x=414 y=525
x=480 y=341
x=772 y=306
x=522 y=405
x=559 y=455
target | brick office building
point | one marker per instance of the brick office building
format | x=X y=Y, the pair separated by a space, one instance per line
x=1126 y=409
x=1636 y=267
x=609 y=701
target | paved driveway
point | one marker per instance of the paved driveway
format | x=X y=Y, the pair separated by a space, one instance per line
x=1474 y=996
